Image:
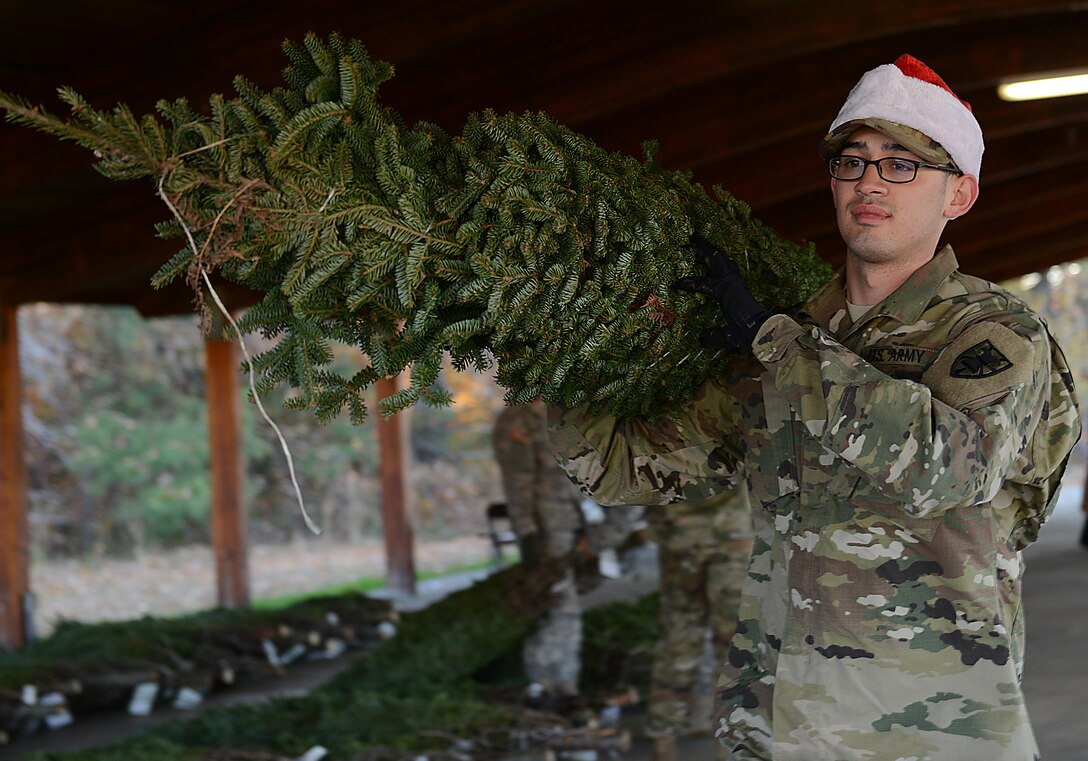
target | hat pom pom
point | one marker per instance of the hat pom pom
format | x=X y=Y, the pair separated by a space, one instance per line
x=912 y=67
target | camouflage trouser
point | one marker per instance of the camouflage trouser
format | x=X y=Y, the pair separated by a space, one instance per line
x=700 y=588
x=552 y=653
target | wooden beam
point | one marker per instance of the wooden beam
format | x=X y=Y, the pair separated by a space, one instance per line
x=117 y=247
x=14 y=559
x=227 y=472
x=596 y=58
x=576 y=60
x=107 y=259
x=400 y=571
x=718 y=85
x=1019 y=257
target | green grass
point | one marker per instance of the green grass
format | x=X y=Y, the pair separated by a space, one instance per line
x=433 y=677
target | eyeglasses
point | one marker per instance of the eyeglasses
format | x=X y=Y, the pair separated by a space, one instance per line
x=890 y=168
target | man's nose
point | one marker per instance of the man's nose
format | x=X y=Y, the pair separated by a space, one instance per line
x=870 y=181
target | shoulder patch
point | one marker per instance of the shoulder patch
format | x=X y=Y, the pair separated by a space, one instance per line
x=982 y=360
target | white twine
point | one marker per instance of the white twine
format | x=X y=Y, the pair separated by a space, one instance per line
x=249 y=363
x=328 y=199
x=659 y=359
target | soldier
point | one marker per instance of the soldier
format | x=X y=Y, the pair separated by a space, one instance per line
x=546 y=514
x=703 y=550
x=903 y=438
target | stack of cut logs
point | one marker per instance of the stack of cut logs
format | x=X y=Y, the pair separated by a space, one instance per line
x=61 y=692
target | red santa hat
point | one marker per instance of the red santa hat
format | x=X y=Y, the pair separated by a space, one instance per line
x=910 y=94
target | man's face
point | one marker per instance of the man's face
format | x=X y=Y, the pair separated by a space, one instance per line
x=890 y=222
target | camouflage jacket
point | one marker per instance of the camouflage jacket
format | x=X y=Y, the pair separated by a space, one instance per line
x=895 y=467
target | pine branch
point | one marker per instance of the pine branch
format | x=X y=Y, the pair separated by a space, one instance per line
x=519 y=241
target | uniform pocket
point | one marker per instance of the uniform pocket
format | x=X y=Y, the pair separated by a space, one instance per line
x=866 y=499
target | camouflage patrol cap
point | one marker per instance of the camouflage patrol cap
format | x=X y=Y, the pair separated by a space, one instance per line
x=913 y=140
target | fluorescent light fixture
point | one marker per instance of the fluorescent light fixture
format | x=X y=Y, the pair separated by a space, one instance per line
x=1049 y=85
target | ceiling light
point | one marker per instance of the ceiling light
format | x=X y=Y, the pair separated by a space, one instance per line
x=1053 y=85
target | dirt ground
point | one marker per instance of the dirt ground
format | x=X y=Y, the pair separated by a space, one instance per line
x=182 y=581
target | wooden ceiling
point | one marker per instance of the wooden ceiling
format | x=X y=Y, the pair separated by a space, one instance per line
x=738 y=92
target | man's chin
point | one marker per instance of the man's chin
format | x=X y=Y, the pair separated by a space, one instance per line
x=869 y=251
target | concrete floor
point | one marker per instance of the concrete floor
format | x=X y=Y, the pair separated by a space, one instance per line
x=1056 y=662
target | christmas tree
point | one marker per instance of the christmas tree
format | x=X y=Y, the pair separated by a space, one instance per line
x=519 y=244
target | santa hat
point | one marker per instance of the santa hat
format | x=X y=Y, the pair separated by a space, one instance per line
x=911 y=94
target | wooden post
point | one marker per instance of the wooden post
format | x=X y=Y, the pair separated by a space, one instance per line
x=227 y=471
x=14 y=559
x=400 y=571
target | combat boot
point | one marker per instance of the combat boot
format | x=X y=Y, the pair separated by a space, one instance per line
x=665 y=748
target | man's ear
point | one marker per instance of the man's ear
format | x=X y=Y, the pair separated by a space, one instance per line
x=962 y=194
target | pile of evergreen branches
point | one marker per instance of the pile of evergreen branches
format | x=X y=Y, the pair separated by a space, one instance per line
x=422 y=680
x=519 y=243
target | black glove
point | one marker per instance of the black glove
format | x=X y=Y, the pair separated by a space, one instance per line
x=743 y=314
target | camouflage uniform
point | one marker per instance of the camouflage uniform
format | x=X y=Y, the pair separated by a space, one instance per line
x=546 y=514
x=896 y=467
x=703 y=550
